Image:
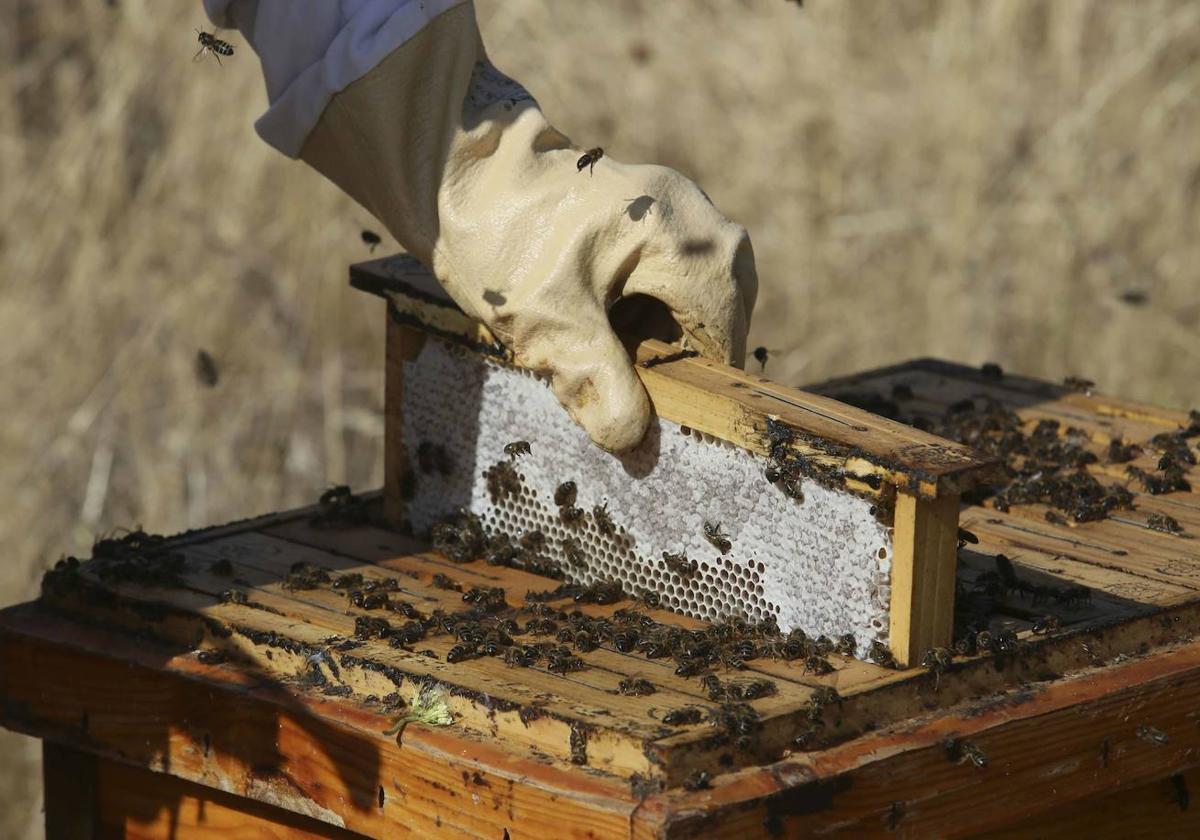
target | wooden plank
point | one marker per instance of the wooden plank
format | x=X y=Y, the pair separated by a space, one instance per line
x=137 y=804
x=1018 y=533
x=278 y=642
x=924 y=560
x=1163 y=808
x=324 y=758
x=719 y=400
x=1010 y=388
x=401 y=345
x=69 y=779
x=903 y=780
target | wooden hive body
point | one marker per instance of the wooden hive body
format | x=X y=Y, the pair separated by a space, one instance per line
x=858 y=538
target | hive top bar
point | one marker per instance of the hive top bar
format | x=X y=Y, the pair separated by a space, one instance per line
x=865 y=452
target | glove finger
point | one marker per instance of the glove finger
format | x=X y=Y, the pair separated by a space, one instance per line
x=710 y=287
x=592 y=376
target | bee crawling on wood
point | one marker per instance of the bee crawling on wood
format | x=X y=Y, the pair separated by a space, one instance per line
x=719 y=540
x=1153 y=735
x=821 y=697
x=680 y=564
x=589 y=159
x=683 y=717
x=937 y=660
x=1164 y=523
x=1045 y=624
x=636 y=687
x=1078 y=383
x=881 y=655
x=210 y=43
x=697 y=780
x=959 y=751
x=516 y=449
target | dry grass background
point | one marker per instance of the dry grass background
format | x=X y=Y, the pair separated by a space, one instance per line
x=981 y=181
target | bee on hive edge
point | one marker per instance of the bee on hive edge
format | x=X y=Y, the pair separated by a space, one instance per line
x=210 y=43
x=589 y=159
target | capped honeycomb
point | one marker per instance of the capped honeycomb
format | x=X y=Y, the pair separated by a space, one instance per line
x=821 y=563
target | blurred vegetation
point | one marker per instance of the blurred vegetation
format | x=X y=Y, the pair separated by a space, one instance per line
x=1009 y=181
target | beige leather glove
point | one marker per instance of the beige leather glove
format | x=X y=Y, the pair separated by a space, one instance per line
x=459 y=163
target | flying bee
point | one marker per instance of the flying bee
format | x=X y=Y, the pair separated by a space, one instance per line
x=210 y=43
x=680 y=564
x=719 y=540
x=206 y=369
x=589 y=159
x=371 y=239
x=516 y=449
x=762 y=355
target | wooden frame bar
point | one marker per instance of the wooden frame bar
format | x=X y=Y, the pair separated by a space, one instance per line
x=918 y=476
x=924 y=563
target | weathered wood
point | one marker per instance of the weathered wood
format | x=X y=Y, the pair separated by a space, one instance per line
x=69 y=779
x=1163 y=808
x=1047 y=746
x=324 y=758
x=402 y=345
x=924 y=561
x=719 y=400
x=137 y=804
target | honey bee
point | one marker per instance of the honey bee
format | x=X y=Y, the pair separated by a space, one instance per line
x=589 y=159
x=565 y=494
x=680 y=564
x=719 y=541
x=604 y=522
x=516 y=449
x=210 y=43
x=683 y=717
x=206 y=369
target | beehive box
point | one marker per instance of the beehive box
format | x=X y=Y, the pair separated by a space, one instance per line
x=792 y=506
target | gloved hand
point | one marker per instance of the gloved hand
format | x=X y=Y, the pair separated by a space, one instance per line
x=459 y=163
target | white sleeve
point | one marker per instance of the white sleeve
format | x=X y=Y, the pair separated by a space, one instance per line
x=312 y=49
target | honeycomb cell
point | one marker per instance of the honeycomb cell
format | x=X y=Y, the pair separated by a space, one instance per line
x=824 y=566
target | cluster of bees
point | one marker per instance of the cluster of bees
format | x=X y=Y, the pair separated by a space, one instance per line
x=1174 y=461
x=136 y=557
x=1047 y=465
x=785 y=469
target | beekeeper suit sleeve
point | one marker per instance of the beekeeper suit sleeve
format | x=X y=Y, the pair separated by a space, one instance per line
x=403 y=110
